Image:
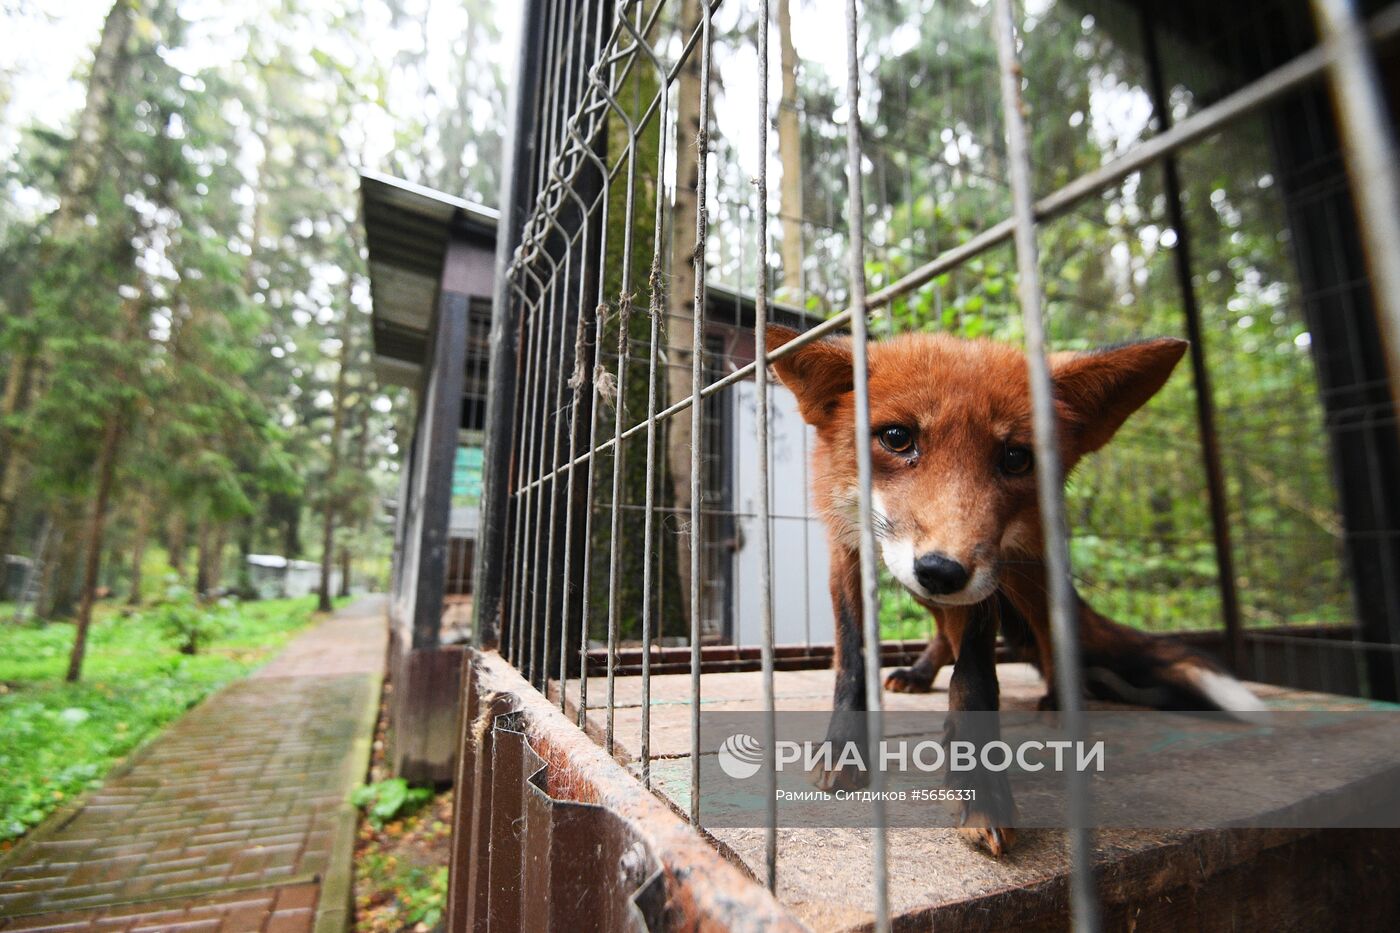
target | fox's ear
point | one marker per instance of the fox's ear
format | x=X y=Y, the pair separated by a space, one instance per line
x=818 y=373
x=1097 y=390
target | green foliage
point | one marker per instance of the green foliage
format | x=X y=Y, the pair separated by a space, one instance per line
x=185 y=622
x=201 y=284
x=59 y=739
x=400 y=878
x=901 y=618
x=419 y=893
x=390 y=799
x=1142 y=550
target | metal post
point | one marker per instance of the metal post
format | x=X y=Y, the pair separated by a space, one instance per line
x=765 y=544
x=1368 y=145
x=1216 y=492
x=869 y=580
x=697 y=372
x=496 y=455
x=1069 y=681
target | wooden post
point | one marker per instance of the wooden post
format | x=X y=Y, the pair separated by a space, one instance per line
x=426 y=673
x=442 y=410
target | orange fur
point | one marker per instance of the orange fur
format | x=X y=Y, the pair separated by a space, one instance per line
x=965 y=400
x=954 y=495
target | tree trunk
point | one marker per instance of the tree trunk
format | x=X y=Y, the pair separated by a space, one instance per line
x=244 y=575
x=138 y=550
x=61 y=576
x=177 y=536
x=360 y=444
x=215 y=572
x=94 y=122
x=291 y=533
x=680 y=336
x=18 y=379
x=75 y=182
x=59 y=544
x=333 y=470
x=201 y=558
x=106 y=467
x=790 y=155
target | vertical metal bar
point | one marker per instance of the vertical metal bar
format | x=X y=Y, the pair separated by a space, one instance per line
x=549 y=112
x=1216 y=493
x=570 y=73
x=593 y=379
x=624 y=323
x=697 y=359
x=545 y=312
x=600 y=318
x=657 y=309
x=515 y=464
x=577 y=381
x=526 y=497
x=869 y=580
x=539 y=562
x=1369 y=149
x=556 y=443
x=538 y=426
x=1069 y=683
x=807 y=520
x=765 y=544
x=488 y=586
x=525 y=363
x=528 y=505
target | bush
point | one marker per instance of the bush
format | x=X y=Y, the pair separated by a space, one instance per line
x=383 y=801
x=185 y=622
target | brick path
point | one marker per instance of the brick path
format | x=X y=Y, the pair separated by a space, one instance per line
x=235 y=818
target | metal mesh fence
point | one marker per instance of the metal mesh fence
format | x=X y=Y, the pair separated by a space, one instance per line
x=641 y=468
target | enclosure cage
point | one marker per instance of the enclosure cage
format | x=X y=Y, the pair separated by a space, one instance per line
x=1063 y=173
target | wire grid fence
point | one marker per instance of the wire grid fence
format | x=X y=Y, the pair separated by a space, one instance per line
x=612 y=347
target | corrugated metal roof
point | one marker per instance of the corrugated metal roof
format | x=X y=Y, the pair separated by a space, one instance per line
x=406 y=229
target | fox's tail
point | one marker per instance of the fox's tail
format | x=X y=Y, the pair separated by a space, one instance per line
x=1130 y=666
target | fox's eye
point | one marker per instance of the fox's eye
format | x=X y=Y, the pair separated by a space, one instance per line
x=897 y=440
x=1016 y=460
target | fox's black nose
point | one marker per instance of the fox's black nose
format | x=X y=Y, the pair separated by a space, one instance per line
x=940 y=575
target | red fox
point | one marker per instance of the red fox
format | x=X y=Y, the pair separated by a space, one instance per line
x=957 y=524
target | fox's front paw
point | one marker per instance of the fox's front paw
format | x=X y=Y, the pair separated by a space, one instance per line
x=908 y=680
x=837 y=778
x=985 y=821
x=837 y=768
x=997 y=840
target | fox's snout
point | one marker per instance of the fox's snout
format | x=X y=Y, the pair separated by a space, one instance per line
x=935 y=577
x=939 y=574
x=931 y=568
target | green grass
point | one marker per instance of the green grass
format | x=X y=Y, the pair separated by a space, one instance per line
x=59 y=739
x=901 y=618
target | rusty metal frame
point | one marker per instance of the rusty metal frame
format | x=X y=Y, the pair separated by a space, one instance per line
x=534 y=794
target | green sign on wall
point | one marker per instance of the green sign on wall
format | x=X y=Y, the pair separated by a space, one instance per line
x=466 y=478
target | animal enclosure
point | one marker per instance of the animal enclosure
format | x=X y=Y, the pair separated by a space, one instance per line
x=1065 y=174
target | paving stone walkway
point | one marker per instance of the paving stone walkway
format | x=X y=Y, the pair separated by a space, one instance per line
x=233 y=819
